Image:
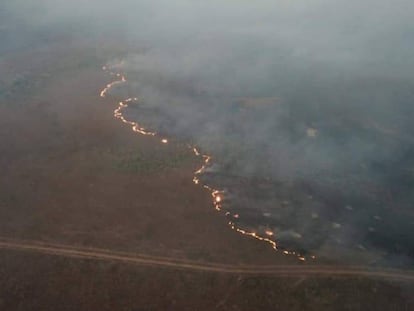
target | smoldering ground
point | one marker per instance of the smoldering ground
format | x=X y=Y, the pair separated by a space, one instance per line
x=312 y=102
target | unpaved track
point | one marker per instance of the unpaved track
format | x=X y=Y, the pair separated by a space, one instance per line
x=300 y=270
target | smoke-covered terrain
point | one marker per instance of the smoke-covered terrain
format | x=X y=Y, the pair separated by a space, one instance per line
x=306 y=107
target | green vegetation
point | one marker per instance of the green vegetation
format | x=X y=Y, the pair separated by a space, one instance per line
x=140 y=162
x=14 y=87
x=19 y=86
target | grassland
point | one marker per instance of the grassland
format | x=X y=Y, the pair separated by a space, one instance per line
x=71 y=173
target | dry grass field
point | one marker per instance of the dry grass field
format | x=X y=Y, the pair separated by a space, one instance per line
x=72 y=174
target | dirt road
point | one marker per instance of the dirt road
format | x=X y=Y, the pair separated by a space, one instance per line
x=302 y=270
